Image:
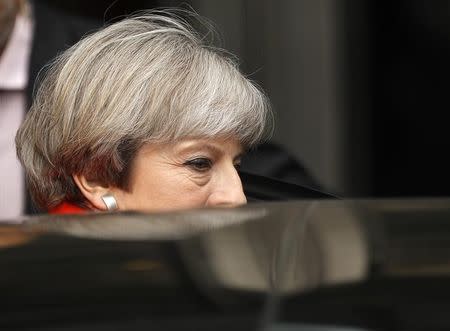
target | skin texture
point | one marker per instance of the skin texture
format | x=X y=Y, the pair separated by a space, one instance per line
x=186 y=174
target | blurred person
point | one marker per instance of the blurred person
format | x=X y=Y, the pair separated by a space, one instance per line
x=31 y=33
x=142 y=115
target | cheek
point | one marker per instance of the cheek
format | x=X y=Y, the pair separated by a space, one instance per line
x=167 y=188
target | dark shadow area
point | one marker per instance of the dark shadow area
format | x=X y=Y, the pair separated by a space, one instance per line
x=410 y=75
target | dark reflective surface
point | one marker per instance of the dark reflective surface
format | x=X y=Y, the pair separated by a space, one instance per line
x=302 y=265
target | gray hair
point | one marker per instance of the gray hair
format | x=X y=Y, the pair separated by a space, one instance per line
x=147 y=78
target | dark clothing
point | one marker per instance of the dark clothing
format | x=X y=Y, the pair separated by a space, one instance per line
x=271 y=160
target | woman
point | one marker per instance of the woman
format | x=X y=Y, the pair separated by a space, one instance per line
x=141 y=115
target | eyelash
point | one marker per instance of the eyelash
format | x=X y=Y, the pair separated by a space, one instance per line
x=200 y=164
x=203 y=164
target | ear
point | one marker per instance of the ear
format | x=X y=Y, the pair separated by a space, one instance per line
x=92 y=191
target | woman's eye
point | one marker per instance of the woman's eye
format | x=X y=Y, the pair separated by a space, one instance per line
x=200 y=164
x=237 y=166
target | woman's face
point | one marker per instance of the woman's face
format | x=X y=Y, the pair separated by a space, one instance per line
x=186 y=174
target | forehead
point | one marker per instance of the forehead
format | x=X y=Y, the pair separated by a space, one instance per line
x=221 y=145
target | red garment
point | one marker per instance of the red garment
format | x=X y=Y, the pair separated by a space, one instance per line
x=67 y=208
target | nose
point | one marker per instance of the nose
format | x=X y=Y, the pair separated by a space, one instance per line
x=227 y=190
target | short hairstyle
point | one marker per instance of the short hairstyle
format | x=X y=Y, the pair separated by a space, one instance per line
x=147 y=78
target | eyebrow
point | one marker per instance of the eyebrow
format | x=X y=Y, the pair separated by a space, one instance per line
x=207 y=146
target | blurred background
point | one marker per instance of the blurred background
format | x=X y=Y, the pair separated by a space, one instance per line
x=359 y=87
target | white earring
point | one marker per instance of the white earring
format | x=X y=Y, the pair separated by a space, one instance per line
x=110 y=202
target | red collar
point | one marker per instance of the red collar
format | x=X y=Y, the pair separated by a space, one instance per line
x=67 y=208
